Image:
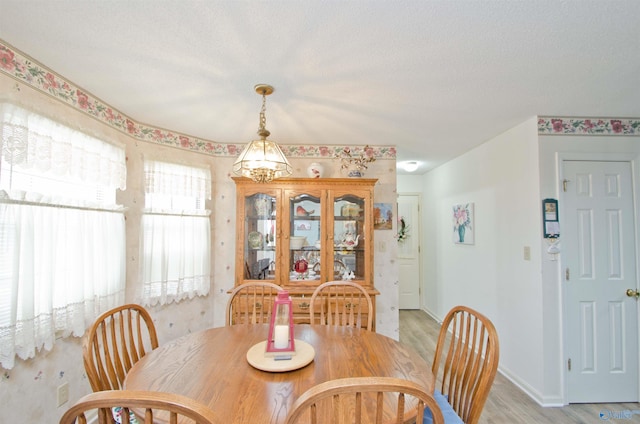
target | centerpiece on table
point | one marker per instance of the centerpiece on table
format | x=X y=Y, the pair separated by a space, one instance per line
x=280 y=341
x=281 y=352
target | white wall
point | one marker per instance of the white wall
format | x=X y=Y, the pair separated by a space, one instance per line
x=409 y=183
x=501 y=178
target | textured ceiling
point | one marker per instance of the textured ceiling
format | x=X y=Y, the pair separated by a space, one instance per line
x=435 y=78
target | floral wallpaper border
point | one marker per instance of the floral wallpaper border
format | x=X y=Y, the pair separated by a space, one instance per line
x=20 y=67
x=588 y=126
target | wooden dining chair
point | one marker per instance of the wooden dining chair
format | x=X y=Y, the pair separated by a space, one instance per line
x=466 y=361
x=359 y=400
x=172 y=406
x=341 y=303
x=251 y=303
x=114 y=343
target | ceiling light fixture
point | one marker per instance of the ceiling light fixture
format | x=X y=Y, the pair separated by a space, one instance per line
x=410 y=166
x=262 y=160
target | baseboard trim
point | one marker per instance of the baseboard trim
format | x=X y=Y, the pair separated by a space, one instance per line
x=537 y=397
x=544 y=401
x=432 y=315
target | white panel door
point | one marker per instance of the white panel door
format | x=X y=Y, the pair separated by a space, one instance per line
x=409 y=252
x=599 y=260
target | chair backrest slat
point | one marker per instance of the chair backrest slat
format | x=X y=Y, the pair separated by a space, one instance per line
x=114 y=343
x=147 y=406
x=251 y=303
x=341 y=303
x=466 y=361
x=364 y=399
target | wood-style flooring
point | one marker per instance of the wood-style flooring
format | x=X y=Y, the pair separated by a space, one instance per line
x=507 y=404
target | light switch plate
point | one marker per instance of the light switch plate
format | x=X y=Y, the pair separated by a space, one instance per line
x=63 y=393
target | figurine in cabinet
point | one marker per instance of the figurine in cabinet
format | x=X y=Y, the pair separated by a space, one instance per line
x=350 y=240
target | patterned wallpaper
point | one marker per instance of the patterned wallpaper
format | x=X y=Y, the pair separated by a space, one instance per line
x=19 y=66
x=22 y=68
x=40 y=377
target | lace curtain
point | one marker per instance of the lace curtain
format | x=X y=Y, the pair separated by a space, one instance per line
x=164 y=179
x=175 y=235
x=33 y=142
x=60 y=265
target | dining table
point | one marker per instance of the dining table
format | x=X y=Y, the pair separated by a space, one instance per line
x=213 y=367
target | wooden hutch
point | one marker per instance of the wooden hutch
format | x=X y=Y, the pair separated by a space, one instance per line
x=301 y=232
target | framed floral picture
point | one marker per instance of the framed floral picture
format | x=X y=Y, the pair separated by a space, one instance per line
x=463 y=223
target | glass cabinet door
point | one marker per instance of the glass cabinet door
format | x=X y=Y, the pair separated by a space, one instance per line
x=260 y=242
x=349 y=244
x=305 y=241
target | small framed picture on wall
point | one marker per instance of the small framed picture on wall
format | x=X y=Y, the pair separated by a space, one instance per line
x=463 y=223
x=382 y=216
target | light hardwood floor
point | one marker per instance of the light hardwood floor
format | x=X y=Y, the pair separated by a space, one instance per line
x=507 y=404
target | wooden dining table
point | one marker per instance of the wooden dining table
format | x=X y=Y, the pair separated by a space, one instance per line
x=211 y=367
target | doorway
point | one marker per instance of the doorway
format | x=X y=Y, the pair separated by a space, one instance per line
x=599 y=264
x=409 y=251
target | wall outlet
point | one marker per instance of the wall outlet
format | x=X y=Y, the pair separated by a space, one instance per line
x=527 y=253
x=63 y=393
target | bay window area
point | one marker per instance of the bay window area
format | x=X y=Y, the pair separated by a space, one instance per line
x=175 y=239
x=62 y=235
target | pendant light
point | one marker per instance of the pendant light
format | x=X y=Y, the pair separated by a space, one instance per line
x=262 y=160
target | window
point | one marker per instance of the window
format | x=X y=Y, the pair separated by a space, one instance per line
x=175 y=240
x=62 y=236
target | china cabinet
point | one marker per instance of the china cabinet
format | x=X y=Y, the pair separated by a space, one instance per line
x=301 y=232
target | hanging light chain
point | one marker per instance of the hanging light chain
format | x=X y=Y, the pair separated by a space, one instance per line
x=262 y=130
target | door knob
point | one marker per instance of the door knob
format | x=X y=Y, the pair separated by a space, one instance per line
x=633 y=293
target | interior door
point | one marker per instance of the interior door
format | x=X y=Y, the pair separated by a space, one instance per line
x=409 y=251
x=599 y=265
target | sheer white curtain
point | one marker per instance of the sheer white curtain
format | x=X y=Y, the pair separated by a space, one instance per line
x=33 y=142
x=62 y=238
x=176 y=236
